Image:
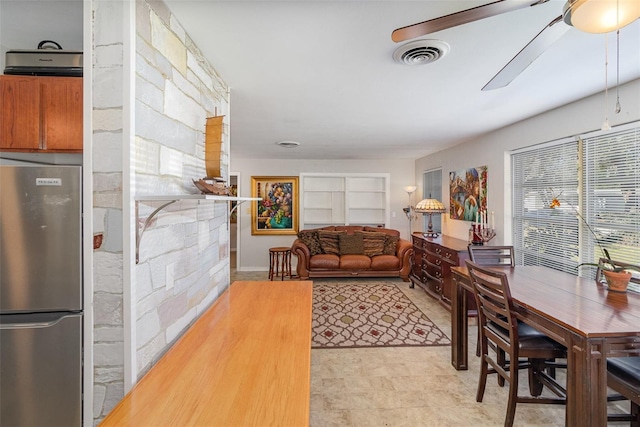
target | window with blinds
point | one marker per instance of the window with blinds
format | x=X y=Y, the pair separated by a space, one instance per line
x=612 y=196
x=542 y=235
x=432 y=184
x=596 y=179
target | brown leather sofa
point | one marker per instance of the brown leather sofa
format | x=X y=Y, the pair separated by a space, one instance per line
x=318 y=255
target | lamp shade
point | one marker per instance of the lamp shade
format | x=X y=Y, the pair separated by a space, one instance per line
x=430 y=206
x=410 y=188
x=600 y=16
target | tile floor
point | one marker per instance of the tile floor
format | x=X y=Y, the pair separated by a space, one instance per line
x=409 y=386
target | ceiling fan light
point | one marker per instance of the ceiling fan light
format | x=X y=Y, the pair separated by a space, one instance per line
x=600 y=16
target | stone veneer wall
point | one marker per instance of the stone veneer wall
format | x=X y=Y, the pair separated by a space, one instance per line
x=108 y=283
x=184 y=254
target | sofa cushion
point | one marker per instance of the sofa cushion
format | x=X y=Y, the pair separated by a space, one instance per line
x=385 y=262
x=355 y=262
x=330 y=241
x=310 y=238
x=351 y=244
x=350 y=229
x=389 y=231
x=373 y=242
x=390 y=244
x=324 y=262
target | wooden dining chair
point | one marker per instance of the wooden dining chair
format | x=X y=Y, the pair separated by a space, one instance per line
x=496 y=256
x=623 y=376
x=492 y=256
x=526 y=347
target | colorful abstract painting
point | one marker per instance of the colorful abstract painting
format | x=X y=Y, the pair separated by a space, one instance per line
x=467 y=193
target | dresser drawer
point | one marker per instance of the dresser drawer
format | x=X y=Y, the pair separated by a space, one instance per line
x=418 y=243
x=449 y=255
x=433 y=259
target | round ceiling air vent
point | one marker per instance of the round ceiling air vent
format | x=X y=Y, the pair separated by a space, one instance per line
x=420 y=52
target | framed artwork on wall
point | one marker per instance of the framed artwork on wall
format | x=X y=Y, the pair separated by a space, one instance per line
x=467 y=193
x=277 y=212
x=233 y=210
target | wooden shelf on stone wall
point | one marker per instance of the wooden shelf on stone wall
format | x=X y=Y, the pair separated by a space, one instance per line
x=168 y=199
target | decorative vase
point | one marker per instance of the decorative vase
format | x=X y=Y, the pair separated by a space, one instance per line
x=617 y=281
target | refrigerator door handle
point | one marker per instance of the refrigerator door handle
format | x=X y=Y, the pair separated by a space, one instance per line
x=44 y=323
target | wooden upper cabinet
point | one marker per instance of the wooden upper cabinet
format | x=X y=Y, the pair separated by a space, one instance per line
x=41 y=113
x=20 y=117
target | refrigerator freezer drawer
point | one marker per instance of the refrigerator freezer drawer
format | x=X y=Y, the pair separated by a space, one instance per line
x=41 y=370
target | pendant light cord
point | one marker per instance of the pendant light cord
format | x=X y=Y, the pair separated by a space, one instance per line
x=618 y=58
x=605 y=124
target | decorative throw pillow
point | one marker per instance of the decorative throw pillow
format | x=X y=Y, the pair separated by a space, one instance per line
x=373 y=242
x=390 y=244
x=310 y=238
x=330 y=241
x=351 y=244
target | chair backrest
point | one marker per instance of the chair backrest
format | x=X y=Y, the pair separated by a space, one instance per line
x=495 y=307
x=635 y=277
x=492 y=255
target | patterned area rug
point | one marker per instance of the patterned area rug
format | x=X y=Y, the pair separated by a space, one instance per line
x=369 y=314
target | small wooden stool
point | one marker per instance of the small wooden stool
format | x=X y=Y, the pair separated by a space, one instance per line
x=279 y=262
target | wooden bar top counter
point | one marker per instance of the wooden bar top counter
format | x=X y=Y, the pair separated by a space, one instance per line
x=245 y=362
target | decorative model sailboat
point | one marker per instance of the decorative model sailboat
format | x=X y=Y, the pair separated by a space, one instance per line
x=213 y=183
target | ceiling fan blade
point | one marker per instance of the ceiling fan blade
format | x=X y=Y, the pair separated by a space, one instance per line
x=452 y=20
x=536 y=47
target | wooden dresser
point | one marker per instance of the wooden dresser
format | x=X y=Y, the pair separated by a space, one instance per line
x=432 y=262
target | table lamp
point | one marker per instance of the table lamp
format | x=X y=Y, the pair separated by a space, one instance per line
x=430 y=206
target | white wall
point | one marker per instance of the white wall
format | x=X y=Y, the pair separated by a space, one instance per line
x=254 y=250
x=493 y=149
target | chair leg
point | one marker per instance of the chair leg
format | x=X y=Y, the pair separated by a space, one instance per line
x=482 y=383
x=535 y=385
x=513 y=394
x=635 y=413
x=502 y=361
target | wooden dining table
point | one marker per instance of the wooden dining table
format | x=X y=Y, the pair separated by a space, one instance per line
x=591 y=321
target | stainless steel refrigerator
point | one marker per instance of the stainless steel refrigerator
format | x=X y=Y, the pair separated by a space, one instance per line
x=40 y=295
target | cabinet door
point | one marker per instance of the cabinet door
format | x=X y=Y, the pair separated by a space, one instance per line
x=449 y=259
x=20 y=116
x=61 y=101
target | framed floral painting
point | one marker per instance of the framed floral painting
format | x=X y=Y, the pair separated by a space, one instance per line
x=467 y=193
x=277 y=211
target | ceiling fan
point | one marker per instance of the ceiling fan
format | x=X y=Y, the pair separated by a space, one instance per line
x=593 y=16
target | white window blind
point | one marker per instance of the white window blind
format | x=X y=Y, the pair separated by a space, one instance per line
x=611 y=189
x=545 y=236
x=596 y=182
x=432 y=184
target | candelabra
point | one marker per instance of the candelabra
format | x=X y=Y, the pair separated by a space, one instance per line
x=482 y=235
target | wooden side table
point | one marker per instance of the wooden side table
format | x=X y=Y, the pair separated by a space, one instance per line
x=279 y=262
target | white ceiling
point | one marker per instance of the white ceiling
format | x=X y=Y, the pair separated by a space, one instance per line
x=322 y=73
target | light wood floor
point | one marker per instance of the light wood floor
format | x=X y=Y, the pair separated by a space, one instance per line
x=409 y=386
